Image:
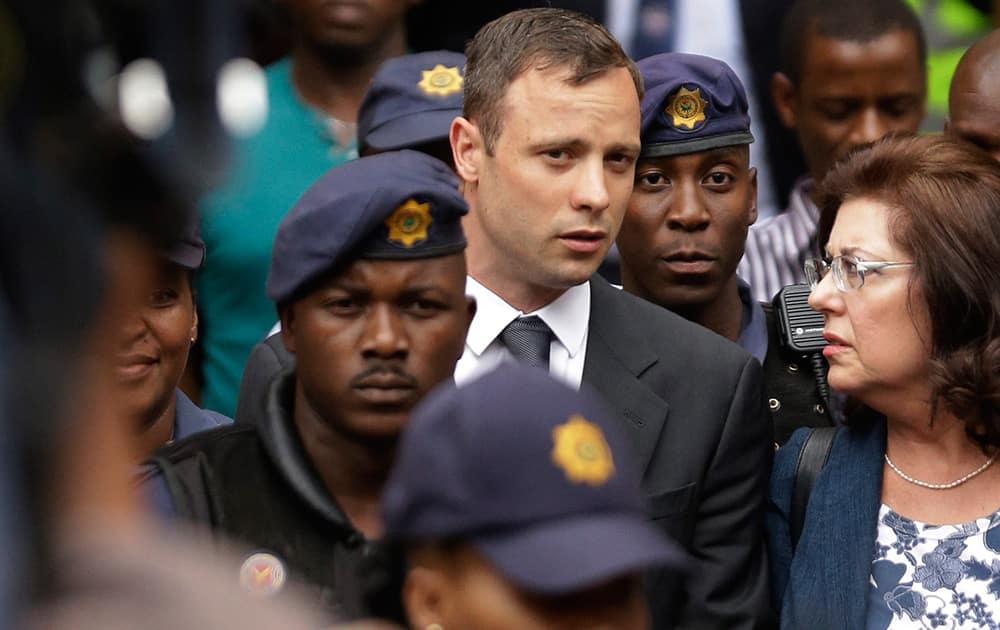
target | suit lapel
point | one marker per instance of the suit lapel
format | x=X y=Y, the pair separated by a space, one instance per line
x=616 y=359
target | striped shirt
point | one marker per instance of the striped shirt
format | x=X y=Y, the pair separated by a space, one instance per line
x=777 y=247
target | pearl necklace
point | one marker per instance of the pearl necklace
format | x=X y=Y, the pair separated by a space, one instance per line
x=939 y=486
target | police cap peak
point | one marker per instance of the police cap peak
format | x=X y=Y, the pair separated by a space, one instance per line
x=411 y=101
x=692 y=103
x=396 y=205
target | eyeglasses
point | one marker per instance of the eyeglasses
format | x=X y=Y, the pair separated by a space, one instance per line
x=848 y=271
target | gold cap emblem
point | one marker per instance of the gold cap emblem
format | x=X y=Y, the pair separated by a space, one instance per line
x=582 y=452
x=687 y=108
x=441 y=80
x=409 y=222
x=262 y=574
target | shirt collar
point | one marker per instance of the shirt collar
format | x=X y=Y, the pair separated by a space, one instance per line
x=753 y=329
x=567 y=316
x=189 y=418
x=284 y=446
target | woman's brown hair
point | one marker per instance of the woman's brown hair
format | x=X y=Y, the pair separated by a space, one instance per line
x=944 y=200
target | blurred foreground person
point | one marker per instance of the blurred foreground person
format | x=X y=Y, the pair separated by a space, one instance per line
x=974 y=96
x=694 y=198
x=516 y=501
x=159 y=326
x=902 y=528
x=409 y=105
x=86 y=556
x=368 y=275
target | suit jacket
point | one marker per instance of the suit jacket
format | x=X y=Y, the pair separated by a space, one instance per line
x=694 y=407
x=693 y=404
x=824 y=583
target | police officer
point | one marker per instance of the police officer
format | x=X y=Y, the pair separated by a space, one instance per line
x=368 y=276
x=409 y=105
x=517 y=502
x=159 y=326
x=694 y=198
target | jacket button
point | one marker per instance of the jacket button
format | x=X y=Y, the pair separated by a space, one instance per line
x=774 y=404
x=793 y=367
x=819 y=409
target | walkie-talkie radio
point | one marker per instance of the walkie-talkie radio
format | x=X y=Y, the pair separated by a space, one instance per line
x=801 y=329
x=800 y=326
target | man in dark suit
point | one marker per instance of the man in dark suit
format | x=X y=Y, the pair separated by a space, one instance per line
x=546 y=148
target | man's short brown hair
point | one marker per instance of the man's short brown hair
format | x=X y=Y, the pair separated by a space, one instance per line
x=534 y=38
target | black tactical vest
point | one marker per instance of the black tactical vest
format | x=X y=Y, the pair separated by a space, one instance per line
x=257 y=488
x=790 y=386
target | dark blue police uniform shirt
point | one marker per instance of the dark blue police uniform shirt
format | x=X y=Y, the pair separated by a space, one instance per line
x=189 y=418
x=753 y=329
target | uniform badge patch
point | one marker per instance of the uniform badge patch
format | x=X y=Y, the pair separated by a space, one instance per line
x=441 y=80
x=409 y=222
x=582 y=452
x=262 y=574
x=686 y=108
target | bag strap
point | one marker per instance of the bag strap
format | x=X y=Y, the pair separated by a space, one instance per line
x=812 y=458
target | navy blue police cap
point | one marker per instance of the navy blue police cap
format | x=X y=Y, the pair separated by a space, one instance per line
x=411 y=101
x=394 y=205
x=692 y=103
x=530 y=472
x=186 y=249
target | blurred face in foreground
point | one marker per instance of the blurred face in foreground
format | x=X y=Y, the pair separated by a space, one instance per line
x=460 y=588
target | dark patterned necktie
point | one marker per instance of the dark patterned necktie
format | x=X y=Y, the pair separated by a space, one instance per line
x=528 y=339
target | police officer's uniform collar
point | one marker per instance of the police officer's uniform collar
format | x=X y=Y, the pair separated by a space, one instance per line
x=753 y=326
x=283 y=445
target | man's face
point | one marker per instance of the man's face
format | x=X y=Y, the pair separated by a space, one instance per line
x=686 y=226
x=371 y=341
x=974 y=110
x=850 y=94
x=548 y=203
x=347 y=23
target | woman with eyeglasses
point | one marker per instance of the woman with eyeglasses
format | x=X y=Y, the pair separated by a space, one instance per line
x=901 y=525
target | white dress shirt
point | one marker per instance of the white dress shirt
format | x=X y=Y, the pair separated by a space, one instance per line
x=568 y=317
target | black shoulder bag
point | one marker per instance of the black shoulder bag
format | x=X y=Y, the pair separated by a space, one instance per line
x=812 y=458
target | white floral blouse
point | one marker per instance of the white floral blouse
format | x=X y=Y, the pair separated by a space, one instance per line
x=935 y=576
